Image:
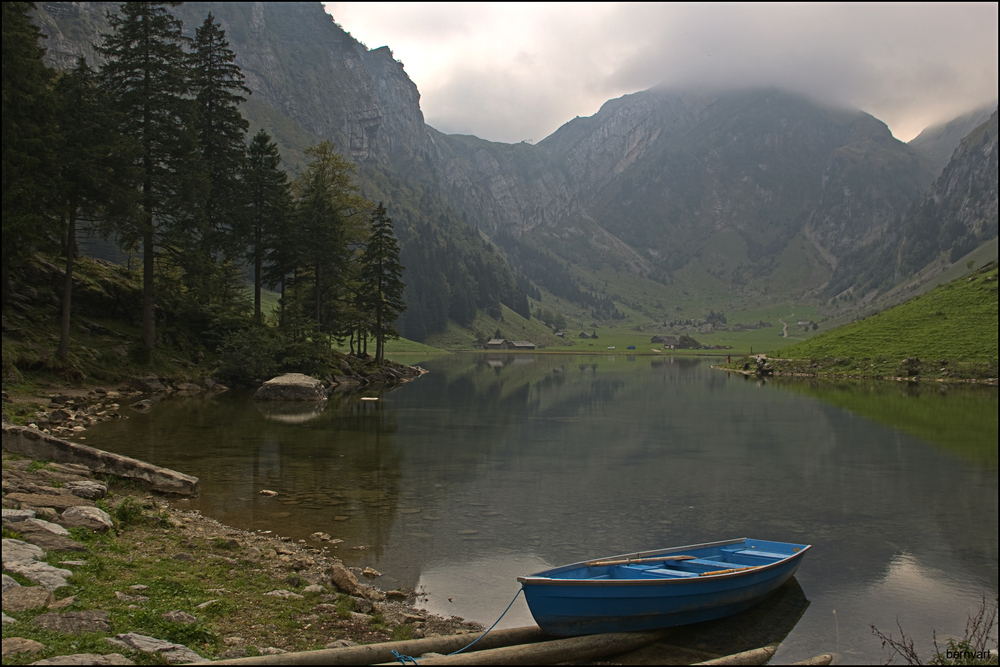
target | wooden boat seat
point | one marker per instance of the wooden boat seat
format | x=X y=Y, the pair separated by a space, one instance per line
x=640 y=572
x=758 y=552
x=662 y=571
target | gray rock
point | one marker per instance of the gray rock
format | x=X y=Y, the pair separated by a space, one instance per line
x=271 y=650
x=47 y=540
x=314 y=588
x=19 y=551
x=23 y=598
x=53 y=528
x=283 y=594
x=188 y=387
x=148 y=385
x=75 y=622
x=91 y=518
x=291 y=387
x=15 y=516
x=172 y=653
x=41 y=573
x=87 y=489
x=178 y=616
x=55 y=499
x=343 y=579
x=18 y=645
x=59 y=416
x=183 y=556
x=145 y=405
x=9 y=583
x=125 y=597
x=86 y=659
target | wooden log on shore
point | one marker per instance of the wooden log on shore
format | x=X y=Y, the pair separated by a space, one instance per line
x=371 y=654
x=571 y=649
x=824 y=659
x=757 y=656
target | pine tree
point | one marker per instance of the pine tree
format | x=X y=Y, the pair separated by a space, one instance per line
x=94 y=181
x=269 y=202
x=146 y=76
x=217 y=85
x=382 y=276
x=328 y=223
x=26 y=118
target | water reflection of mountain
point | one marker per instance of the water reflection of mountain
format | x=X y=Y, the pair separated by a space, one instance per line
x=560 y=449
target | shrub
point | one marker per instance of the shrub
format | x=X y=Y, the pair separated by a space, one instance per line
x=249 y=354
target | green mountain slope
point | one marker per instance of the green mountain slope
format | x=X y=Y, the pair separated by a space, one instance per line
x=948 y=332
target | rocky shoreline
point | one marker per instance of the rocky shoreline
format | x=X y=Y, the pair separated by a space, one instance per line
x=85 y=557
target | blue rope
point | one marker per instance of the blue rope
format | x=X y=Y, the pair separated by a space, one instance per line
x=491 y=627
x=404 y=658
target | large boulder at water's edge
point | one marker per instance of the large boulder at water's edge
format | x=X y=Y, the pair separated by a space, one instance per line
x=291 y=387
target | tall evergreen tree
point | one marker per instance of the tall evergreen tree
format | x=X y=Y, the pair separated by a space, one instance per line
x=381 y=275
x=328 y=222
x=26 y=118
x=217 y=85
x=146 y=76
x=269 y=202
x=95 y=180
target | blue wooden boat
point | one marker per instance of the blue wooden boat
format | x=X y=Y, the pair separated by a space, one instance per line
x=659 y=589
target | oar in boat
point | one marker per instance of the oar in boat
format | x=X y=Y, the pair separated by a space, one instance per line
x=630 y=561
x=732 y=569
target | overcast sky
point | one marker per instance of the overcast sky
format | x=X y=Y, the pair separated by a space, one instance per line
x=513 y=72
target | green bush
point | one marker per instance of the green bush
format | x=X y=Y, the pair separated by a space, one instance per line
x=249 y=354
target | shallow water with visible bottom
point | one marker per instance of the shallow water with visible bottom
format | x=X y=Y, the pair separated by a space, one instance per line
x=494 y=466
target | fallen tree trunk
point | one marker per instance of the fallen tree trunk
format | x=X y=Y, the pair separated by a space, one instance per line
x=757 y=656
x=371 y=654
x=572 y=649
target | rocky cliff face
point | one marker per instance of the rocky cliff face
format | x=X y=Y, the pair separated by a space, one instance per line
x=953 y=217
x=967 y=188
x=939 y=142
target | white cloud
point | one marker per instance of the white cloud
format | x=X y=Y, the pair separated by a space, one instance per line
x=518 y=71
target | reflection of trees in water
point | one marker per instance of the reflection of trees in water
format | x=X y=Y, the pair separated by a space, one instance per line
x=970 y=412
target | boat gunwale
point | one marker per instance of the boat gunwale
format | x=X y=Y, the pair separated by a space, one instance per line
x=548 y=581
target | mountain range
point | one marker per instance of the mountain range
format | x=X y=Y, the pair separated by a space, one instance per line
x=663 y=199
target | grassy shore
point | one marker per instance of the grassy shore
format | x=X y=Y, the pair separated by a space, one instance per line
x=948 y=334
x=245 y=593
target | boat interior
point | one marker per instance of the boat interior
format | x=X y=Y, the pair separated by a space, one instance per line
x=687 y=563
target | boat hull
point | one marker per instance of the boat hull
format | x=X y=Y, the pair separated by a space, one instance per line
x=564 y=605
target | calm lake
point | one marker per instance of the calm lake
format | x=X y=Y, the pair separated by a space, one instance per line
x=490 y=467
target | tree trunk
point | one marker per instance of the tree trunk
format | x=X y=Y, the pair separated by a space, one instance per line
x=148 y=295
x=63 y=351
x=257 y=262
x=317 y=295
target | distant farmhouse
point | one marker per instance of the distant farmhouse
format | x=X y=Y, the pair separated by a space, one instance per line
x=504 y=344
x=665 y=341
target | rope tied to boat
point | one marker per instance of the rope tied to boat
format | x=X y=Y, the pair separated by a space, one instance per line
x=490 y=628
x=404 y=658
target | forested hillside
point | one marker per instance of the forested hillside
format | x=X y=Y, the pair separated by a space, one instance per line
x=311 y=81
